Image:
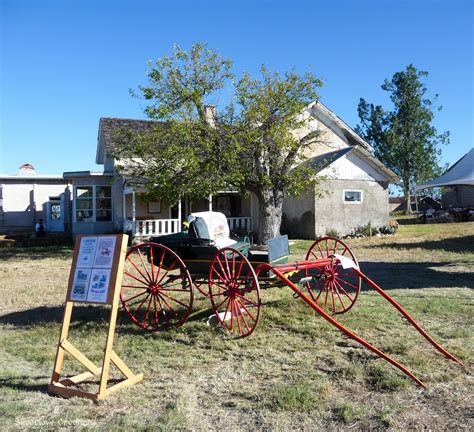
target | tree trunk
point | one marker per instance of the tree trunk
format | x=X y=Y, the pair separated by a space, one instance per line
x=406 y=192
x=271 y=210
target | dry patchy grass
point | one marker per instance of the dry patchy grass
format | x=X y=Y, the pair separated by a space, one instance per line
x=294 y=373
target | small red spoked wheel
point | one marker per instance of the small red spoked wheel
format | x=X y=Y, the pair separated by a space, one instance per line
x=234 y=292
x=332 y=287
x=156 y=287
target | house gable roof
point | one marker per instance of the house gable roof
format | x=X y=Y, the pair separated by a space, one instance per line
x=324 y=160
x=110 y=125
x=322 y=113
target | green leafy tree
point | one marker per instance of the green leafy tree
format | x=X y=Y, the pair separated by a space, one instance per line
x=257 y=143
x=404 y=139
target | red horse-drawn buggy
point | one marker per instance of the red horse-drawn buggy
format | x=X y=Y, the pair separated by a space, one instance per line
x=160 y=277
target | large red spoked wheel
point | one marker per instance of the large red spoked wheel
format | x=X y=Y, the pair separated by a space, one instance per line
x=332 y=287
x=156 y=288
x=234 y=292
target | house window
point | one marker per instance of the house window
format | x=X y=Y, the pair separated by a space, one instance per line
x=154 y=206
x=103 y=200
x=93 y=204
x=353 y=196
x=84 y=204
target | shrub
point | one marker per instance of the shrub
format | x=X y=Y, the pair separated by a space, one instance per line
x=332 y=233
x=366 y=230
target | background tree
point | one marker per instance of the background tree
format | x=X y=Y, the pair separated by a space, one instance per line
x=404 y=138
x=255 y=144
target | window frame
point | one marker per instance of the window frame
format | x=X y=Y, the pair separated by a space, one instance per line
x=360 y=191
x=95 y=208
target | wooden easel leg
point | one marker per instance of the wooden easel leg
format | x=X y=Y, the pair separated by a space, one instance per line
x=58 y=363
x=104 y=377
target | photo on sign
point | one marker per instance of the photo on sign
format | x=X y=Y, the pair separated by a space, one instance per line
x=80 y=284
x=87 y=251
x=104 y=256
x=99 y=286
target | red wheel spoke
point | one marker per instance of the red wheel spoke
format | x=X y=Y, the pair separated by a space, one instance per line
x=138 y=280
x=162 y=257
x=170 y=268
x=167 y=305
x=326 y=297
x=322 y=253
x=175 y=289
x=142 y=303
x=152 y=263
x=219 y=275
x=156 y=311
x=240 y=269
x=223 y=320
x=232 y=315
x=245 y=321
x=143 y=264
x=135 y=296
x=133 y=286
x=344 y=291
x=172 y=298
x=223 y=271
x=339 y=296
x=227 y=266
x=347 y=283
x=147 y=310
x=233 y=264
x=238 y=312
x=332 y=296
x=139 y=271
x=247 y=299
x=220 y=304
x=224 y=288
x=246 y=310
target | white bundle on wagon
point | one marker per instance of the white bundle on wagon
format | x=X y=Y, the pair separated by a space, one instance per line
x=217 y=228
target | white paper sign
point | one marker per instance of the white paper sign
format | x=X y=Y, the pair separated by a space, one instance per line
x=99 y=286
x=87 y=252
x=80 y=285
x=104 y=256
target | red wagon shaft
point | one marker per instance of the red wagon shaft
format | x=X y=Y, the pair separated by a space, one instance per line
x=332 y=263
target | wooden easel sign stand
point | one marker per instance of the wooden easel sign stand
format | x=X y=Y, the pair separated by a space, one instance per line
x=95 y=278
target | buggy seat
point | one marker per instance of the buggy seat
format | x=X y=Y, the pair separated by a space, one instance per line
x=213 y=226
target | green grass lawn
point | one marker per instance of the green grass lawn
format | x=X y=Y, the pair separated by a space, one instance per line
x=294 y=373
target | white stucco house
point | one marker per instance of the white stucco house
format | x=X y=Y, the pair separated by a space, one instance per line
x=356 y=186
x=26 y=197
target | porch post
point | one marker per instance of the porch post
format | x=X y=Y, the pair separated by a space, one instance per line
x=124 y=211
x=210 y=202
x=133 y=214
x=179 y=212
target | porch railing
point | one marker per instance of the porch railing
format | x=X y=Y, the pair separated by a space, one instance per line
x=156 y=227
x=243 y=224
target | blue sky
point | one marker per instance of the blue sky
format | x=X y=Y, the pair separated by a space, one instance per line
x=65 y=64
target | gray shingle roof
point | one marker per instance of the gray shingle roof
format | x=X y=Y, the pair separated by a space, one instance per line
x=110 y=125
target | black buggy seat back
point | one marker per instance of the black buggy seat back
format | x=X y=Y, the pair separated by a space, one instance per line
x=213 y=226
x=198 y=229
